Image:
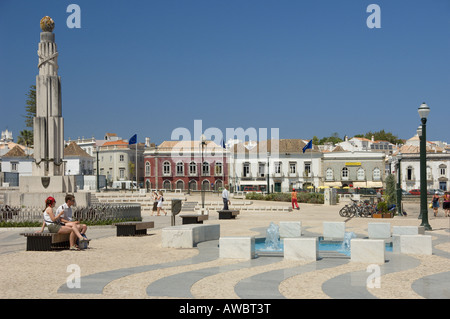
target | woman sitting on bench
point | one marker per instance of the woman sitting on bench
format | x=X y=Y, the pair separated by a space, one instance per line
x=55 y=226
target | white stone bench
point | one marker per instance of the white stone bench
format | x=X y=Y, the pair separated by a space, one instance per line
x=305 y=249
x=333 y=230
x=379 y=230
x=290 y=229
x=237 y=247
x=188 y=236
x=408 y=230
x=367 y=251
x=412 y=244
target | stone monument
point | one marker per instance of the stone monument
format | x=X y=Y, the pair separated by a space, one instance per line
x=48 y=167
x=48 y=123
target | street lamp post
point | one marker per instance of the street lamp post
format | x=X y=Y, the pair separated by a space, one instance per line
x=423 y=110
x=203 y=143
x=268 y=172
x=399 y=185
x=98 y=169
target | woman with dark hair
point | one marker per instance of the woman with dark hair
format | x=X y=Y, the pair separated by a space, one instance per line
x=435 y=203
x=446 y=204
x=55 y=226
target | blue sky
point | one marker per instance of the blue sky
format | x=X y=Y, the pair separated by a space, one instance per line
x=307 y=67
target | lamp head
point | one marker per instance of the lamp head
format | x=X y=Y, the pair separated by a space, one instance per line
x=423 y=110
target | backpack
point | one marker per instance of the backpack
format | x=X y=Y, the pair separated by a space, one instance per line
x=83 y=245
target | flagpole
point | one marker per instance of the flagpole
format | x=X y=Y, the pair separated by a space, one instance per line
x=310 y=167
x=136 y=166
x=133 y=140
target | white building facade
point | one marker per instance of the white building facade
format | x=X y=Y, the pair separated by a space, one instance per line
x=281 y=164
x=438 y=165
x=354 y=169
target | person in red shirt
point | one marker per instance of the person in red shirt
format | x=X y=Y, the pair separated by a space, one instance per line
x=294 y=199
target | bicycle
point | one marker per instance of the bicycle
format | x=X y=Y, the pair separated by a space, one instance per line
x=357 y=208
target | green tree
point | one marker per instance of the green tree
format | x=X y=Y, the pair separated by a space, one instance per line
x=25 y=138
x=334 y=138
x=315 y=140
x=382 y=136
x=30 y=106
x=390 y=194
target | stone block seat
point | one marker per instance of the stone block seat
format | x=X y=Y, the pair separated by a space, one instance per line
x=240 y=247
x=188 y=236
x=413 y=244
x=193 y=218
x=228 y=214
x=133 y=228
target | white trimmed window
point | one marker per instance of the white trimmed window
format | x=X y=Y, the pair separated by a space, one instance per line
x=147 y=169
x=205 y=169
x=376 y=174
x=192 y=168
x=166 y=168
x=345 y=173
x=361 y=174
x=329 y=174
x=218 y=169
x=180 y=169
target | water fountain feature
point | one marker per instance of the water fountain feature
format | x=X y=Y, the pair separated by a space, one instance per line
x=346 y=243
x=272 y=237
x=273 y=245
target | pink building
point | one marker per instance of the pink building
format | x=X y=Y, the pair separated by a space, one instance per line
x=185 y=165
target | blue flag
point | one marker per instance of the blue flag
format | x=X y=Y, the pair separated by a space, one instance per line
x=223 y=144
x=133 y=140
x=309 y=145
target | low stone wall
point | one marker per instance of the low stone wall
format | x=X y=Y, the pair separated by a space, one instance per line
x=93 y=213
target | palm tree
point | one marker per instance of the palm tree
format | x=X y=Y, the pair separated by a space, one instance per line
x=25 y=138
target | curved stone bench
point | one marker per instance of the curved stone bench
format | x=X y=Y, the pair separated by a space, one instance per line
x=188 y=236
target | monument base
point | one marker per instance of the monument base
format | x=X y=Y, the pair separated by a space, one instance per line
x=33 y=190
x=19 y=199
x=47 y=184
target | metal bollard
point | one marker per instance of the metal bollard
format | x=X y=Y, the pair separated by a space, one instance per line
x=176 y=208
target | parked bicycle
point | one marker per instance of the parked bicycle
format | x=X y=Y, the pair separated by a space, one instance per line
x=358 y=209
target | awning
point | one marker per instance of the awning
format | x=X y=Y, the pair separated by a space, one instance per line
x=252 y=182
x=360 y=184
x=331 y=184
x=374 y=184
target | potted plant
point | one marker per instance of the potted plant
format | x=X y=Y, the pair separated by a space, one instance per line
x=382 y=208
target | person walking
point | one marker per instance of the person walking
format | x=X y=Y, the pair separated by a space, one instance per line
x=155 y=202
x=446 y=204
x=379 y=196
x=435 y=203
x=226 y=197
x=160 y=204
x=294 y=199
